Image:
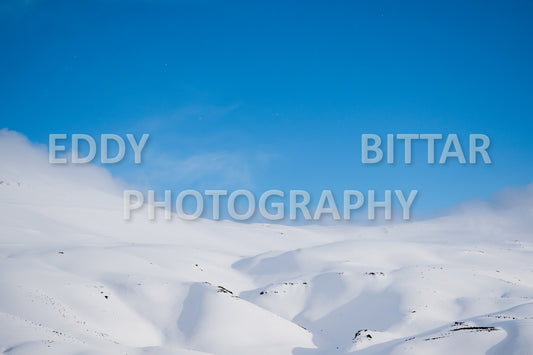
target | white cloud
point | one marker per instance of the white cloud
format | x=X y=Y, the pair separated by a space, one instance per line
x=25 y=163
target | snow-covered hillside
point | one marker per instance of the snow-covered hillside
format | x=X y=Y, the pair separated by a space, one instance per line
x=76 y=278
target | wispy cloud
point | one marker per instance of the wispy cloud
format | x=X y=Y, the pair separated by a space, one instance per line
x=215 y=168
x=184 y=114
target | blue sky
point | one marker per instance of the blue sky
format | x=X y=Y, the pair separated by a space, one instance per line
x=276 y=94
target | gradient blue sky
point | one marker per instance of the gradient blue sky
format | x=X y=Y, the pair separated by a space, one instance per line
x=276 y=94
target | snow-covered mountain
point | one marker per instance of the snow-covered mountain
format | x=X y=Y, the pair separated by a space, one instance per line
x=76 y=278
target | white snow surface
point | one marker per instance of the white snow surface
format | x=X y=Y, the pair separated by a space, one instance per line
x=75 y=278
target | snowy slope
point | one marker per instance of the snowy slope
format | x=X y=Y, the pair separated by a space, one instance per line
x=76 y=278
